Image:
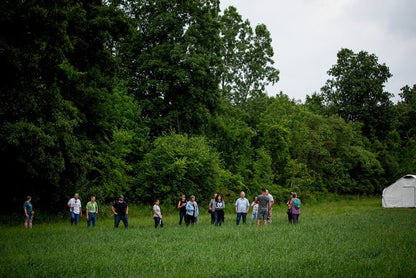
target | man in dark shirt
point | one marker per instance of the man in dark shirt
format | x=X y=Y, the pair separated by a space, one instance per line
x=264 y=207
x=120 y=210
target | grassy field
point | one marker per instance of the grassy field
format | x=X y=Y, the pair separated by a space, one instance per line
x=352 y=238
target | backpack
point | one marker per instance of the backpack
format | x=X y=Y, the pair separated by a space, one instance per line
x=296 y=203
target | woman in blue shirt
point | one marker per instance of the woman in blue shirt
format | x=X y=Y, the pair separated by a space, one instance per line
x=191 y=211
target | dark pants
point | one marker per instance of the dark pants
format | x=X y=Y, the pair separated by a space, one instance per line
x=158 y=221
x=289 y=215
x=74 y=218
x=182 y=216
x=123 y=218
x=295 y=218
x=239 y=214
x=190 y=219
x=91 y=218
x=219 y=217
x=212 y=217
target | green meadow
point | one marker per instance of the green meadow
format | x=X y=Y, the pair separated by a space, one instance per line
x=348 y=238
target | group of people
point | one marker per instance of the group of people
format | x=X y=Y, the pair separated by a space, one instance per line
x=188 y=210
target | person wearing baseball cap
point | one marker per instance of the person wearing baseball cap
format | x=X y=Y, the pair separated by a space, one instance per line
x=120 y=210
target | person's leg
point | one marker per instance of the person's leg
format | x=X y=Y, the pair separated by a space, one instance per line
x=244 y=218
x=30 y=223
x=26 y=221
x=117 y=219
x=157 y=219
x=180 y=217
x=295 y=218
x=89 y=220
x=212 y=217
x=94 y=219
x=125 y=221
x=238 y=217
x=72 y=218
x=161 y=223
x=216 y=218
x=76 y=218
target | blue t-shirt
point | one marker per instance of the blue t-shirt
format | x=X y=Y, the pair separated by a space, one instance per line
x=242 y=205
x=28 y=206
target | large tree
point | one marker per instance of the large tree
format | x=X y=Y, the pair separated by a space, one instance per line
x=247 y=57
x=172 y=62
x=356 y=92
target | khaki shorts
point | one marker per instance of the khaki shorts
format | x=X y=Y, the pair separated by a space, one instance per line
x=262 y=214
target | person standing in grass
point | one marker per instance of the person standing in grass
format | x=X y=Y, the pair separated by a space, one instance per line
x=242 y=206
x=289 y=210
x=74 y=205
x=120 y=210
x=255 y=210
x=28 y=210
x=157 y=215
x=294 y=206
x=211 y=208
x=271 y=201
x=182 y=209
x=91 y=212
x=219 y=210
x=264 y=207
x=191 y=211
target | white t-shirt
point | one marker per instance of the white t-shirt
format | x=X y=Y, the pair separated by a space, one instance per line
x=255 y=208
x=76 y=205
x=270 y=199
x=156 y=208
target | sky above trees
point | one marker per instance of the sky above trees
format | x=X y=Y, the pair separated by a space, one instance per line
x=307 y=35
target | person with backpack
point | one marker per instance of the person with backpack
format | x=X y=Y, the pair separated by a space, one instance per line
x=294 y=206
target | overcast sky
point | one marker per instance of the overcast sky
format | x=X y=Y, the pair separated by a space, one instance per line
x=307 y=35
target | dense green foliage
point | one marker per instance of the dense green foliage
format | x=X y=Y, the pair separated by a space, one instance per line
x=153 y=99
x=354 y=238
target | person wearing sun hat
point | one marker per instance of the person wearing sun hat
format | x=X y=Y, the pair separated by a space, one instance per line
x=120 y=210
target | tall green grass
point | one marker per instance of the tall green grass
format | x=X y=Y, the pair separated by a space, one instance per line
x=350 y=238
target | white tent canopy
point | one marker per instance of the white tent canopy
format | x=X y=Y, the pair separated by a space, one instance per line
x=401 y=194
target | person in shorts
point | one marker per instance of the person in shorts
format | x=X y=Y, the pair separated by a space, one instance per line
x=264 y=207
x=28 y=210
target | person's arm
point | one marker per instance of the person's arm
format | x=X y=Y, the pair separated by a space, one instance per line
x=86 y=212
x=272 y=204
x=127 y=210
x=69 y=204
x=80 y=209
x=290 y=204
x=96 y=208
x=112 y=208
x=179 y=205
x=248 y=206
x=236 y=206
x=210 y=205
x=24 y=208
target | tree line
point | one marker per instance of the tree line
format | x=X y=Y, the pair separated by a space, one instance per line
x=155 y=99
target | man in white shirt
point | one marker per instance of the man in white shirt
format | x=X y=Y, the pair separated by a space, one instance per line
x=74 y=205
x=271 y=202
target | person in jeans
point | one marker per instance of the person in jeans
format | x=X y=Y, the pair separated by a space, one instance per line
x=219 y=210
x=28 y=210
x=264 y=207
x=211 y=208
x=182 y=209
x=74 y=205
x=191 y=211
x=292 y=207
x=157 y=215
x=91 y=212
x=242 y=207
x=120 y=210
